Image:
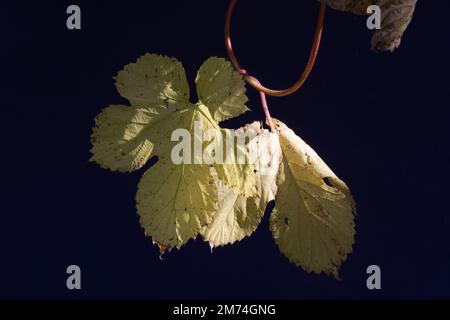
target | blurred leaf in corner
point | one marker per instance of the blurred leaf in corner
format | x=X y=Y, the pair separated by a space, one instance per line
x=395 y=18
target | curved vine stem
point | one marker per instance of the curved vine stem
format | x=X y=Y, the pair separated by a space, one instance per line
x=265 y=107
x=252 y=81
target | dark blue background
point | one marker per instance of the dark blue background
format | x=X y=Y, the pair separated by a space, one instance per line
x=379 y=120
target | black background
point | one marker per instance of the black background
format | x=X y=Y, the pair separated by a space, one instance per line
x=379 y=120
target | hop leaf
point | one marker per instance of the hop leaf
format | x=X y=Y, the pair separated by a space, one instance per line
x=312 y=222
x=153 y=81
x=221 y=89
x=175 y=201
x=124 y=137
x=239 y=216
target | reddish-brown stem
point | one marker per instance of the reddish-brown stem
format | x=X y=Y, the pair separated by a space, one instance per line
x=265 y=107
x=251 y=80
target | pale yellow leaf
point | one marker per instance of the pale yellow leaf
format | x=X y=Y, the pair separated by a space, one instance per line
x=175 y=202
x=238 y=216
x=221 y=89
x=153 y=80
x=313 y=219
x=123 y=138
x=175 y=199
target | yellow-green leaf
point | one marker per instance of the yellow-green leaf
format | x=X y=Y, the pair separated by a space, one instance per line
x=175 y=199
x=313 y=219
x=227 y=225
x=123 y=138
x=153 y=80
x=239 y=216
x=175 y=202
x=221 y=89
